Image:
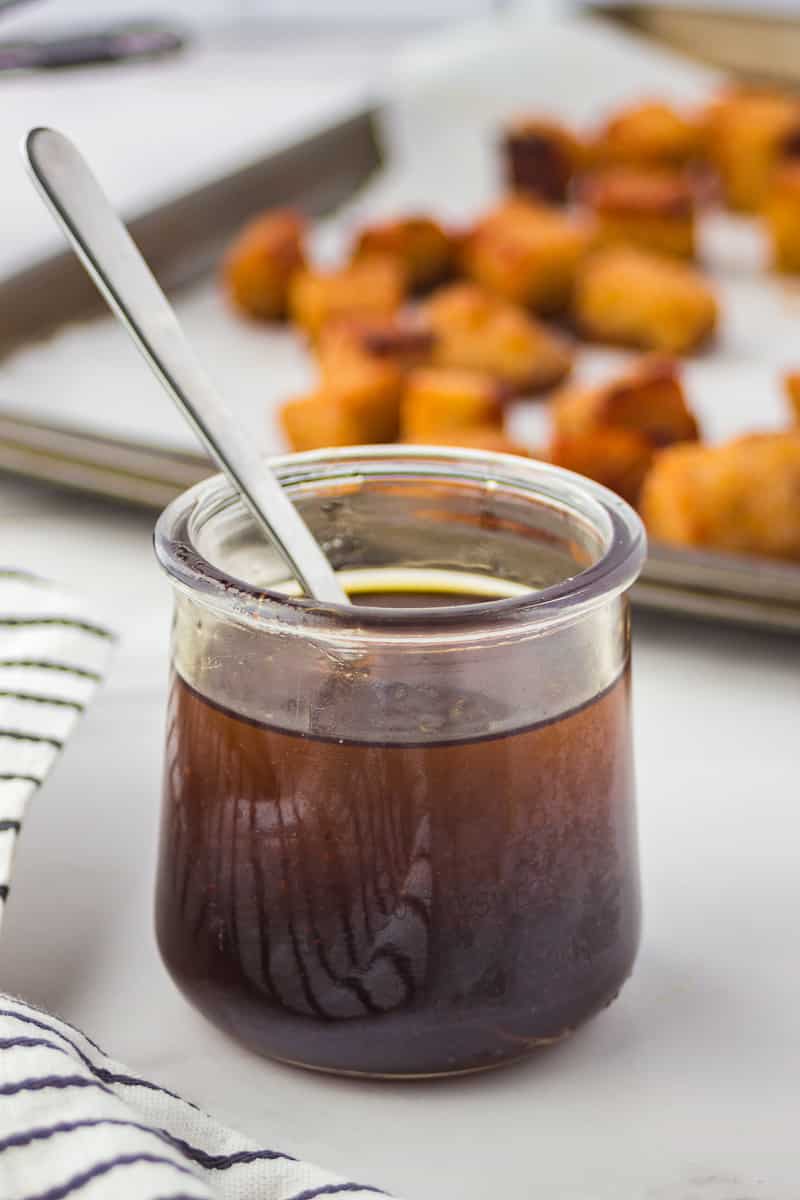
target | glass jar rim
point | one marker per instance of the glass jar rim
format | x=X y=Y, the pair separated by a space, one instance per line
x=613 y=572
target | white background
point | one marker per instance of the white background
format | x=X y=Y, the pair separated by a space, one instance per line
x=51 y=13
x=55 y=13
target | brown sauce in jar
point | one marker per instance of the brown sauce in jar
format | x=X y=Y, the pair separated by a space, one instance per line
x=412 y=908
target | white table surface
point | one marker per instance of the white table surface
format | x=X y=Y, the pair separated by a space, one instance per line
x=688 y=1088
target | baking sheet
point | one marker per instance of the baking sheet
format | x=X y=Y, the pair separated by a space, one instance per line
x=438 y=127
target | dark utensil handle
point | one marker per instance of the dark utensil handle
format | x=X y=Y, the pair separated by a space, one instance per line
x=87 y=49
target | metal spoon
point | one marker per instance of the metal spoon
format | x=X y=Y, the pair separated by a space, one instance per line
x=124 y=279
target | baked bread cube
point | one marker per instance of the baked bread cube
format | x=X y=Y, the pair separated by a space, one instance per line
x=649 y=399
x=477 y=437
x=782 y=217
x=527 y=253
x=320 y=419
x=440 y=400
x=791 y=383
x=357 y=402
x=633 y=297
x=404 y=339
x=616 y=457
x=477 y=330
x=747 y=134
x=739 y=497
x=649 y=134
x=261 y=261
x=541 y=158
x=373 y=286
x=420 y=244
x=653 y=209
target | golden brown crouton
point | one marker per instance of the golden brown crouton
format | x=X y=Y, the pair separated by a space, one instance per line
x=480 y=331
x=747 y=134
x=477 y=437
x=648 y=399
x=782 y=216
x=439 y=400
x=404 y=339
x=740 y=496
x=318 y=419
x=527 y=253
x=634 y=298
x=261 y=261
x=791 y=381
x=356 y=403
x=419 y=243
x=542 y=158
x=618 y=458
x=653 y=209
x=650 y=134
x=372 y=287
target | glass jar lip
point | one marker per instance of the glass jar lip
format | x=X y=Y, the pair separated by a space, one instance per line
x=612 y=573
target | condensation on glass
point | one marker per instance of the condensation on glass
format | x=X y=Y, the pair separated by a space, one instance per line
x=401 y=840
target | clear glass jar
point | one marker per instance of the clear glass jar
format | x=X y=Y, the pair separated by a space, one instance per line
x=401 y=841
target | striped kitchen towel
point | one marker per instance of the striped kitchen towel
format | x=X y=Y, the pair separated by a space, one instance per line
x=52 y=655
x=74 y=1123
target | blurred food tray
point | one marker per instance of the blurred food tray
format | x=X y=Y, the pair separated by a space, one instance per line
x=78 y=413
x=711 y=586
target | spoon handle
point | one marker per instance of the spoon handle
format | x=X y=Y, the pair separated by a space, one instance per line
x=113 y=261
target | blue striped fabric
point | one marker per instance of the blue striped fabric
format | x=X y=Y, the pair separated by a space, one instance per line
x=71 y=1118
x=53 y=653
x=74 y=1123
